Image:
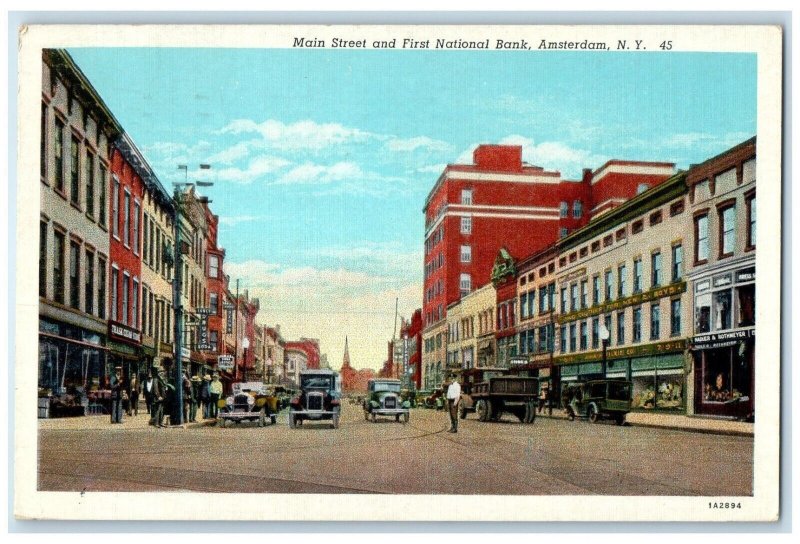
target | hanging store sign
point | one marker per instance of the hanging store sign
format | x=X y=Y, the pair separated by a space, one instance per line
x=225 y=362
x=721 y=339
x=229 y=321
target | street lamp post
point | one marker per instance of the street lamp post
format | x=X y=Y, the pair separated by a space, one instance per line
x=604 y=336
x=245 y=345
x=177 y=286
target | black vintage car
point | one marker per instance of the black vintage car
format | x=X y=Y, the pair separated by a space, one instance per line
x=319 y=398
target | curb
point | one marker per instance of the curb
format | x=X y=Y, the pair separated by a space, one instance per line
x=688 y=429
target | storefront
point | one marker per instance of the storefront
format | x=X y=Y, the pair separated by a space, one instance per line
x=657 y=372
x=125 y=350
x=724 y=343
x=485 y=356
x=72 y=363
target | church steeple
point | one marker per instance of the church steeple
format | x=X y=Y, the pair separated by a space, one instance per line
x=346 y=358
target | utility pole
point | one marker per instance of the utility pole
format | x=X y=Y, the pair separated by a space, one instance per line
x=236 y=334
x=177 y=285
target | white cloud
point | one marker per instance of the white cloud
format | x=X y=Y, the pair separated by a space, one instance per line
x=299 y=135
x=315 y=173
x=257 y=168
x=411 y=144
x=237 y=151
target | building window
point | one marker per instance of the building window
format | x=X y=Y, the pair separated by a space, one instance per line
x=702 y=313
x=637 y=275
x=564 y=209
x=115 y=208
x=465 y=284
x=136 y=212
x=74 y=275
x=676 y=208
x=102 y=201
x=637 y=324
x=43 y=144
x=466 y=225
x=577 y=209
x=213 y=339
x=58 y=149
x=677 y=262
x=101 y=288
x=42 y=258
x=609 y=285
x=655 y=321
x=145 y=299
x=563 y=300
x=622 y=273
x=642 y=187
x=607 y=323
x=135 y=304
x=655 y=218
x=74 y=171
x=563 y=339
x=466 y=197
x=620 y=328
x=126 y=285
x=584 y=335
x=655 y=270
x=573 y=290
x=595 y=332
x=114 y=293
x=585 y=294
x=751 y=222
x=727 y=229
x=608 y=240
x=551 y=296
x=675 y=317
x=531 y=302
x=126 y=209
x=88 y=294
x=562 y=233
x=573 y=340
x=89 y=175
x=637 y=227
x=596 y=290
x=523 y=306
x=621 y=234
x=213 y=302
x=722 y=310
x=466 y=254
x=595 y=246
x=543 y=307
x=701 y=238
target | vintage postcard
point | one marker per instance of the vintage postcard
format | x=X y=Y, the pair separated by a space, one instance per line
x=485 y=272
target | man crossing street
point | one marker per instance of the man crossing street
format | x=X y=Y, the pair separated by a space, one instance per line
x=453 y=400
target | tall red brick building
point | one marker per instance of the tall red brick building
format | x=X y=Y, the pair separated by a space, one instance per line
x=499 y=201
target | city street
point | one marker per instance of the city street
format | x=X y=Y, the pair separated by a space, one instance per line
x=550 y=457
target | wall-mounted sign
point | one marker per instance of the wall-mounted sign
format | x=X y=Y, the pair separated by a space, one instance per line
x=204 y=311
x=225 y=362
x=748 y=274
x=719 y=281
x=518 y=361
x=721 y=339
x=639 y=298
x=117 y=330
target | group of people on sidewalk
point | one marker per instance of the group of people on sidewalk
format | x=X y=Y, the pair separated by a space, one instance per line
x=159 y=396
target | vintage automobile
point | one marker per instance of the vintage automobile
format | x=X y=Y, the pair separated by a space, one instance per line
x=384 y=399
x=599 y=399
x=250 y=401
x=490 y=392
x=435 y=399
x=319 y=398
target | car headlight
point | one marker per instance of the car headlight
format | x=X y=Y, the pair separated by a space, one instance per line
x=250 y=400
x=229 y=401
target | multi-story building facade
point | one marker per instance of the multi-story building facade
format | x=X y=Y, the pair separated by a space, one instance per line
x=158 y=227
x=434 y=355
x=470 y=330
x=74 y=249
x=215 y=289
x=498 y=200
x=275 y=359
x=296 y=362
x=721 y=244
x=126 y=191
x=625 y=271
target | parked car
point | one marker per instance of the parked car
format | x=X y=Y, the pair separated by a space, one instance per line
x=599 y=399
x=435 y=399
x=250 y=401
x=319 y=398
x=491 y=392
x=384 y=399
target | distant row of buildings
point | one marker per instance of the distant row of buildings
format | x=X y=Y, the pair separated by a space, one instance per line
x=106 y=261
x=527 y=270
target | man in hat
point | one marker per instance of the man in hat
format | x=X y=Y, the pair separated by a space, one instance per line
x=116 y=395
x=215 y=390
x=159 y=394
x=196 y=383
x=188 y=398
x=147 y=390
x=205 y=395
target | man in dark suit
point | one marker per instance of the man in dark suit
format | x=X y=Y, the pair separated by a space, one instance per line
x=147 y=391
x=159 y=394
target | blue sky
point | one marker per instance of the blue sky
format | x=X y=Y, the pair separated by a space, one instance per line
x=322 y=158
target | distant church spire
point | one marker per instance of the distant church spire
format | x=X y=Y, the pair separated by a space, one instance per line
x=346 y=358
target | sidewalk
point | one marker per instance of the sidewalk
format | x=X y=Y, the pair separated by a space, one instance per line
x=104 y=422
x=679 y=422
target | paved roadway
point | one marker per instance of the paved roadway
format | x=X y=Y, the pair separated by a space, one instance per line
x=550 y=457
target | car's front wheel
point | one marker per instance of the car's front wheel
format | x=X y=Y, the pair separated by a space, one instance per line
x=594 y=416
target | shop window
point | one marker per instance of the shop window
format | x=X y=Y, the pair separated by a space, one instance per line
x=653 y=390
x=722 y=310
x=726 y=375
x=702 y=313
x=746 y=298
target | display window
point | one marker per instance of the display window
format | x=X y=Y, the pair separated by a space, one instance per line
x=727 y=377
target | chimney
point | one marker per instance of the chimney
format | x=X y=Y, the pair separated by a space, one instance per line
x=587 y=175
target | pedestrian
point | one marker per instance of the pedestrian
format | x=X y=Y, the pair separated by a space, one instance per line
x=215 y=392
x=133 y=395
x=453 y=400
x=147 y=390
x=116 y=395
x=205 y=395
x=188 y=399
x=158 y=392
x=196 y=383
x=544 y=396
